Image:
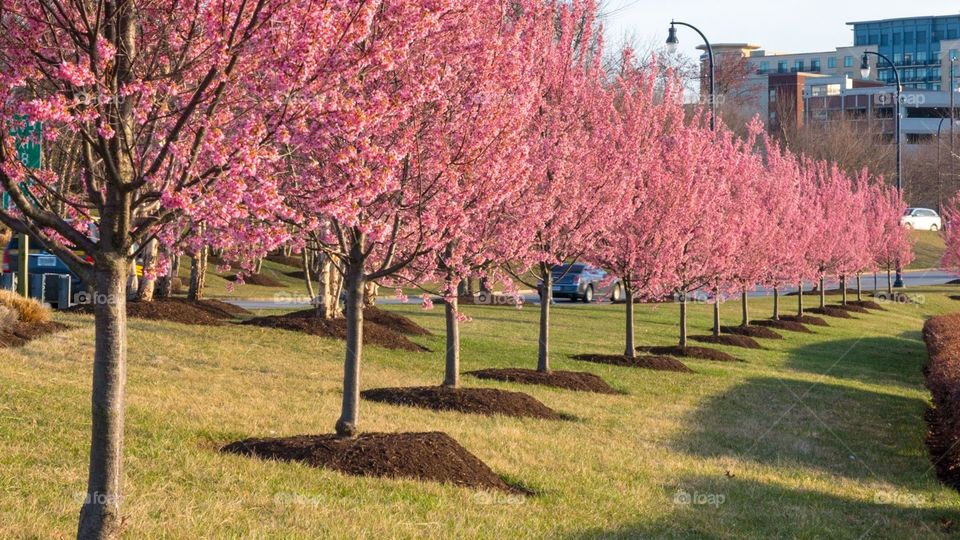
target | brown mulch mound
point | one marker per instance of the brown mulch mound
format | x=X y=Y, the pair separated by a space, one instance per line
x=394 y=321
x=21 y=333
x=790 y=326
x=306 y=321
x=434 y=457
x=731 y=340
x=754 y=331
x=832 y=311
x=701 y=353
x=806 y=319
x=942 y=336
x=260 y=280
x=850 y=306
x=568 y=380
x=486 y=401
x=955 y=297
x=868 y=304
x=296 y=274
x=657 y=363
x=294 y=261
x=828 y=292
x=953 y=282
x=178 y=310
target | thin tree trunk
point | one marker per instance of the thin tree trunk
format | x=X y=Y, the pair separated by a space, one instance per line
x=148 y=284
x=452 y=371
x=800 y=300
x=843 y=290
x=746 y=309
x=198 y=275
x=546 y=296
x=370 y=289
x=716 y=311
x=630 y=347
x=347 y=424
x=823 y=295
x=859 y=288
x=165 y=284
x=776 y=304
x=100 y=515
x=683 y=320
x=308 y=277
x=889 y=283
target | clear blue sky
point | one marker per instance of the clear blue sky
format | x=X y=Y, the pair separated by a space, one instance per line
x=777 y=25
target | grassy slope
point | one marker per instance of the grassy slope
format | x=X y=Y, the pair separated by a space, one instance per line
x=928 y=248
x=219 y=287
x=813 y=434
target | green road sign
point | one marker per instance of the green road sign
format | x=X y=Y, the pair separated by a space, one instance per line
x=27 y=136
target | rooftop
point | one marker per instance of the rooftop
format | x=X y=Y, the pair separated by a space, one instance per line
x=951 y=16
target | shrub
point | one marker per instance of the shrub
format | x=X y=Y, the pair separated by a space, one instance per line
x=8 y=318
x=27 y=309
x=942 y=335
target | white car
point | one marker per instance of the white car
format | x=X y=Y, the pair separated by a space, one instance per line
x=921 y=219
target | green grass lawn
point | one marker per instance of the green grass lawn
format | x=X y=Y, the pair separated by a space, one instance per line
x=928 y=248
x=814 y=436
x=218 y=286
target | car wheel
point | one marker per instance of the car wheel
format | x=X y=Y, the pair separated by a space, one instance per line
x=908 y=226
x=934 y=228
x=617 y=294
x=588 y=295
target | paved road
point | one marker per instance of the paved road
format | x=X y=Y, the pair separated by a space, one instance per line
x=919 y=278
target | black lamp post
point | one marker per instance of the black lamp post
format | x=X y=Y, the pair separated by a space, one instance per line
x=672 y=43
x=865 y=71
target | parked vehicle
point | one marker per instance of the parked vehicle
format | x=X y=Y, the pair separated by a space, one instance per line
x=582 y=282
x=921 y=219
x=40 y=262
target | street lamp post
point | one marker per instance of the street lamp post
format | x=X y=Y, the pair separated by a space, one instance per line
x=939 y=169
x=865 y=71
x=672 y=43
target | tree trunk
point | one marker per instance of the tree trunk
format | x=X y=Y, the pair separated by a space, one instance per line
x=347 y=424
x=452 y=372
x=800 y=300
x=329 y=286
x=776 y=304
x=716 y=311
x=133 y=282
x=165 y=284
x=843 y=290
x=889 y=283
x=745 y=309
x=258 y=265
x=308 y=277
x=370 y=289
x=100 y=515
x=546 y=296
x=823 y=295
x=149 y=282
x=198 y=275
x=630 y=347
x=683 y=320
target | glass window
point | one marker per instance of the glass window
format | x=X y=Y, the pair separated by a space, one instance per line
x=847 y=61
x=898 y=58
x=884 y=40
x=832 y=62
x=921 y=56
x=897 y=38
x=773 y=95
x=815 y=64
x=764 y=67
x=921 y=36
x=781 y=67
x=798 y=65
x=908 y=38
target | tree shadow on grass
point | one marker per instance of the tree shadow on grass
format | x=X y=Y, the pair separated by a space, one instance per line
x=705 y=507
x=891 y=361
x=840 y=430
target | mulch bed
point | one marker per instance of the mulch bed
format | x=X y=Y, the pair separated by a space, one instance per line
x=178 y=310
x=753 y=331
x=657 y=363
x=850 y=306
x=296 y=274
x=568 y=380
x=306 y=321
x=806 y=319
x=868 y=304
x=486 y=401
x=790 y=326
x=828 y=292
x=21 y=333
x=394 y=321
x=701 y=353
x=294 y=261
x=953 y=282
x=434 y=457
x=942 y=336
x=831 y=311
x=260 y=280
x=954 y=297
x=730 y=340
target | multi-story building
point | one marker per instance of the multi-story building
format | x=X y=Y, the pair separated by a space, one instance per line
x=921 y=48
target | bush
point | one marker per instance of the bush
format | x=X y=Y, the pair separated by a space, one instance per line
x=942 y=335
x=8 y=318
x=28 y=310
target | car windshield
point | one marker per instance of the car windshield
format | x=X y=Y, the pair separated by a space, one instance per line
x=908 y=211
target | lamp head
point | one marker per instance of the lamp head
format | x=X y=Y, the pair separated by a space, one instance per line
x=672 y=41
x=865 y=67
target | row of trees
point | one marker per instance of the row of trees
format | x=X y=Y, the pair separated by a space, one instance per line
x=395 y=141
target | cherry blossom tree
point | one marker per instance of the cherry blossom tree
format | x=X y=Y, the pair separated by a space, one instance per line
x=172 y=106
